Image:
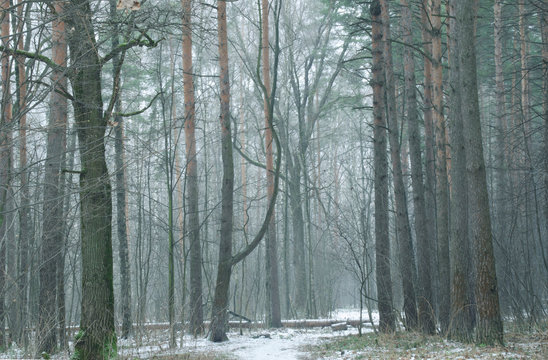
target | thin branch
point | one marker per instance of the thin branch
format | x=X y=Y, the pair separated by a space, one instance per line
x=139 y=111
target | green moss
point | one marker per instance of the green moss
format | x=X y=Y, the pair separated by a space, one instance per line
x=76 y=355
x=110 y=350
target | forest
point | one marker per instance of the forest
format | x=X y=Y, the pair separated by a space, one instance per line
x=185 y=167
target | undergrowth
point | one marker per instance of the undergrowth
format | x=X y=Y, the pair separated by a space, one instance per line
x=412 y=345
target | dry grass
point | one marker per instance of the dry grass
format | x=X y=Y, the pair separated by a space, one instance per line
x=404 y=345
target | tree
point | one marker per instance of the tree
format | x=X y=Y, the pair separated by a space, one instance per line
x=489 y=328
x=461 y=326
x=382 y=241
x=406 y=253
x=5 y=154
x=442 y=189
x=97 y=337
x=544 y=29
x=224 y=269
x=226 y=259
x=196 y=312
x=426 y=319
x=20 y=112
x=52 y=234
x=122 y=225
x=272 y=287
x=430 y=178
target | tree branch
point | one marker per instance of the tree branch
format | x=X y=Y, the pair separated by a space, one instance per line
x=35 y=56
x=123 y=47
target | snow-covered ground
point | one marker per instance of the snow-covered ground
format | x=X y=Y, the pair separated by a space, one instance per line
x=253 y=344
x=294 y=344
x=257 y=344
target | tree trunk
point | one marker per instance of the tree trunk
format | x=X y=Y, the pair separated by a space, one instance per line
x=430 y=178
x=272 y=284
x=299 y=262
x=224 y=269
x=52 y=233
x=24 y=209
x=489 y=328
x=442 y=190
x=382 y=244
x=196 y=301
x=5 y=157
x=502 y=127
x=524 y=72
x=121 y=200
x=406 y=253
x=426 y=317
x=97 y=337
x=461 y=326
x=543 y=18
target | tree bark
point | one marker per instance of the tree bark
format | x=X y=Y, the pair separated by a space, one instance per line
x=489 y=327
x=442 y=190
x=97 y=337
x=122 y=229
x=5 y=156
x=543 y=18
x=24 y=208
x=272 y=283
x=196 y=301
x=382 y=241
x=524 y=73
x=52 y=233
x=430 y=178
x=299 y=263
x=406 y=253
x=426 y=319
x=461 y=326
x=502 y=127
x=224 y=269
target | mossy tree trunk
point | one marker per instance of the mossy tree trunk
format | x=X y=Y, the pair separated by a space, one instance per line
x=97 y=337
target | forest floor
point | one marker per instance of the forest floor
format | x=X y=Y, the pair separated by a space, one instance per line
x=321 y=343
x=318 y=343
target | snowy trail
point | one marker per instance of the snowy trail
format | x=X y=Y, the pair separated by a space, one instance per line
x=267 y=349
x=283 y=344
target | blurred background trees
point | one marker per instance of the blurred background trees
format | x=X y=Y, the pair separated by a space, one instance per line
x=153 y=67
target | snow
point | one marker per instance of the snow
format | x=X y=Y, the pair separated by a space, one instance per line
x=254 y=344
x=293 y=343
x=257 y=344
